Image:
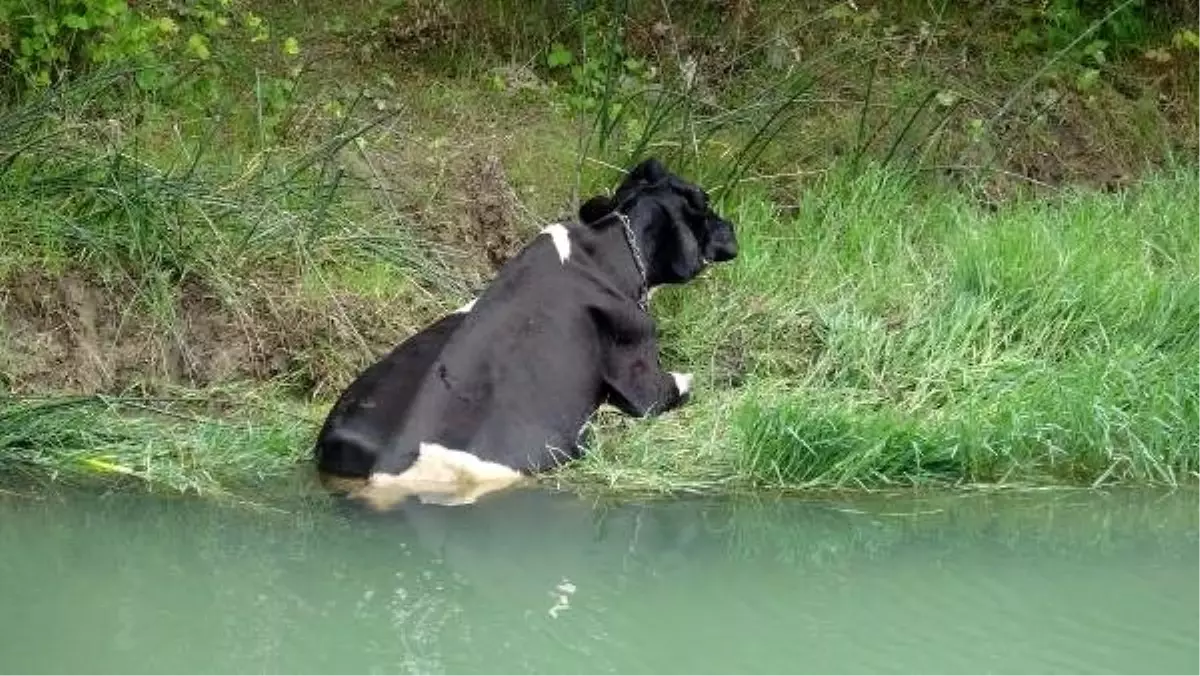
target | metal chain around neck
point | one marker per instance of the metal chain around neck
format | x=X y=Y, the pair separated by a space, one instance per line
x=631 y=240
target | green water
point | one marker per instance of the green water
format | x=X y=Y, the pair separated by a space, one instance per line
x=1043 y=582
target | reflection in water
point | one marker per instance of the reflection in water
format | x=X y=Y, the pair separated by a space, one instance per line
x=534 y=581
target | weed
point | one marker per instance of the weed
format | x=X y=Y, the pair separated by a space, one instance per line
x=180 y=245
x=197 y=219
x=880 y=341
x=161 y=443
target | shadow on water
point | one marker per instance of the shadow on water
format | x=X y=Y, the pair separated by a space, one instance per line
x=534 y=580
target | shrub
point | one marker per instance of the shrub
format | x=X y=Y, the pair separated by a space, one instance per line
x=46 y=42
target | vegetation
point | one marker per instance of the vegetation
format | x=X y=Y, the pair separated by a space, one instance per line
x=159 y=443
x=955 y=270
x=879 y=336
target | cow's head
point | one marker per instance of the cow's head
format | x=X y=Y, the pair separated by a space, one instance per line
x=677 y=229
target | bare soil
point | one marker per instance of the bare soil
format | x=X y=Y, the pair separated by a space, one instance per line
x=74 y=332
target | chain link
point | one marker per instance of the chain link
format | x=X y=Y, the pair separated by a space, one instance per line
x=643 y=290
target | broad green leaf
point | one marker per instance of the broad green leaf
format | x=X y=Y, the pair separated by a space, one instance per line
x=559 y=56
x=197 y=45
x=75 y=21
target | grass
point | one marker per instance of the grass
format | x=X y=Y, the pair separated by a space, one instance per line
x=187 y=250
x=881 y=338
x=213 y=280
x=211 y=443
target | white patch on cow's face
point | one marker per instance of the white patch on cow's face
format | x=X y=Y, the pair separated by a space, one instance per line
x=683 y=382
x=562 y=243
x=466 y=308
x=442 y=476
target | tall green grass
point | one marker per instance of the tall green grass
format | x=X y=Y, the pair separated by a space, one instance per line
x=882 y=336
x=222 y=441
x=143 y=204
x=161 y=214
x=93 y=175
x=879 y=333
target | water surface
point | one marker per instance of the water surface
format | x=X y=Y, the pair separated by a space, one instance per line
x=532 y=581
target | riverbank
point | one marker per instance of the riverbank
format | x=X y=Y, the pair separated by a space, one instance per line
x=876 y=336
x=882 y=337
x=940 y=282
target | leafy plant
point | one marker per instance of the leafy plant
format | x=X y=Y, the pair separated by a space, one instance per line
x=603 y=70
x=1185 y=38
x=1111 y=27
x=185 y=46
x=1054 y=24
x=43 y=42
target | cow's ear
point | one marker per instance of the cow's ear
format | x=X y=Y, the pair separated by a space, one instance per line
x=594 y=209
x=649 y=170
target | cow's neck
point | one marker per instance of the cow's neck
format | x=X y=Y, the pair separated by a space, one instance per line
x=636 y=252
x=625 y=253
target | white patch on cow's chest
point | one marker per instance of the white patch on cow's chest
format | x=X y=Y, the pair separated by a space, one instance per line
x=466 y=308
x=562 y=243
x=440 y=475
x=683 y=382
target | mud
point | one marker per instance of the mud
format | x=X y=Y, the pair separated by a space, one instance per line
x=492 y=226
x=78 y=333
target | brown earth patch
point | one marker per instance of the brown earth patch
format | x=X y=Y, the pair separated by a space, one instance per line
x=491 y=205
x=75 y=333
x=60 y=333
x=456 y=196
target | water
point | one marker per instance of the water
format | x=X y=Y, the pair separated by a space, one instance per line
x=540 y=582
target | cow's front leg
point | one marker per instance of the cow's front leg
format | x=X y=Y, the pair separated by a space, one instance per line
x=636 y=382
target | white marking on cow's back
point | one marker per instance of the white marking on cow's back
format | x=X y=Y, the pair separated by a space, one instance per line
x=442 y=476
x=683 y=382
x=562 y=242
x=466 y=308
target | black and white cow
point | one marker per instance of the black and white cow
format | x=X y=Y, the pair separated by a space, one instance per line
x=502 y=388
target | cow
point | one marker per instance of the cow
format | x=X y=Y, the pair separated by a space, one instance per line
x=502 y=388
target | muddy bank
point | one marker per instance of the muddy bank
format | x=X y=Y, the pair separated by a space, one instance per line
x=75 y=332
